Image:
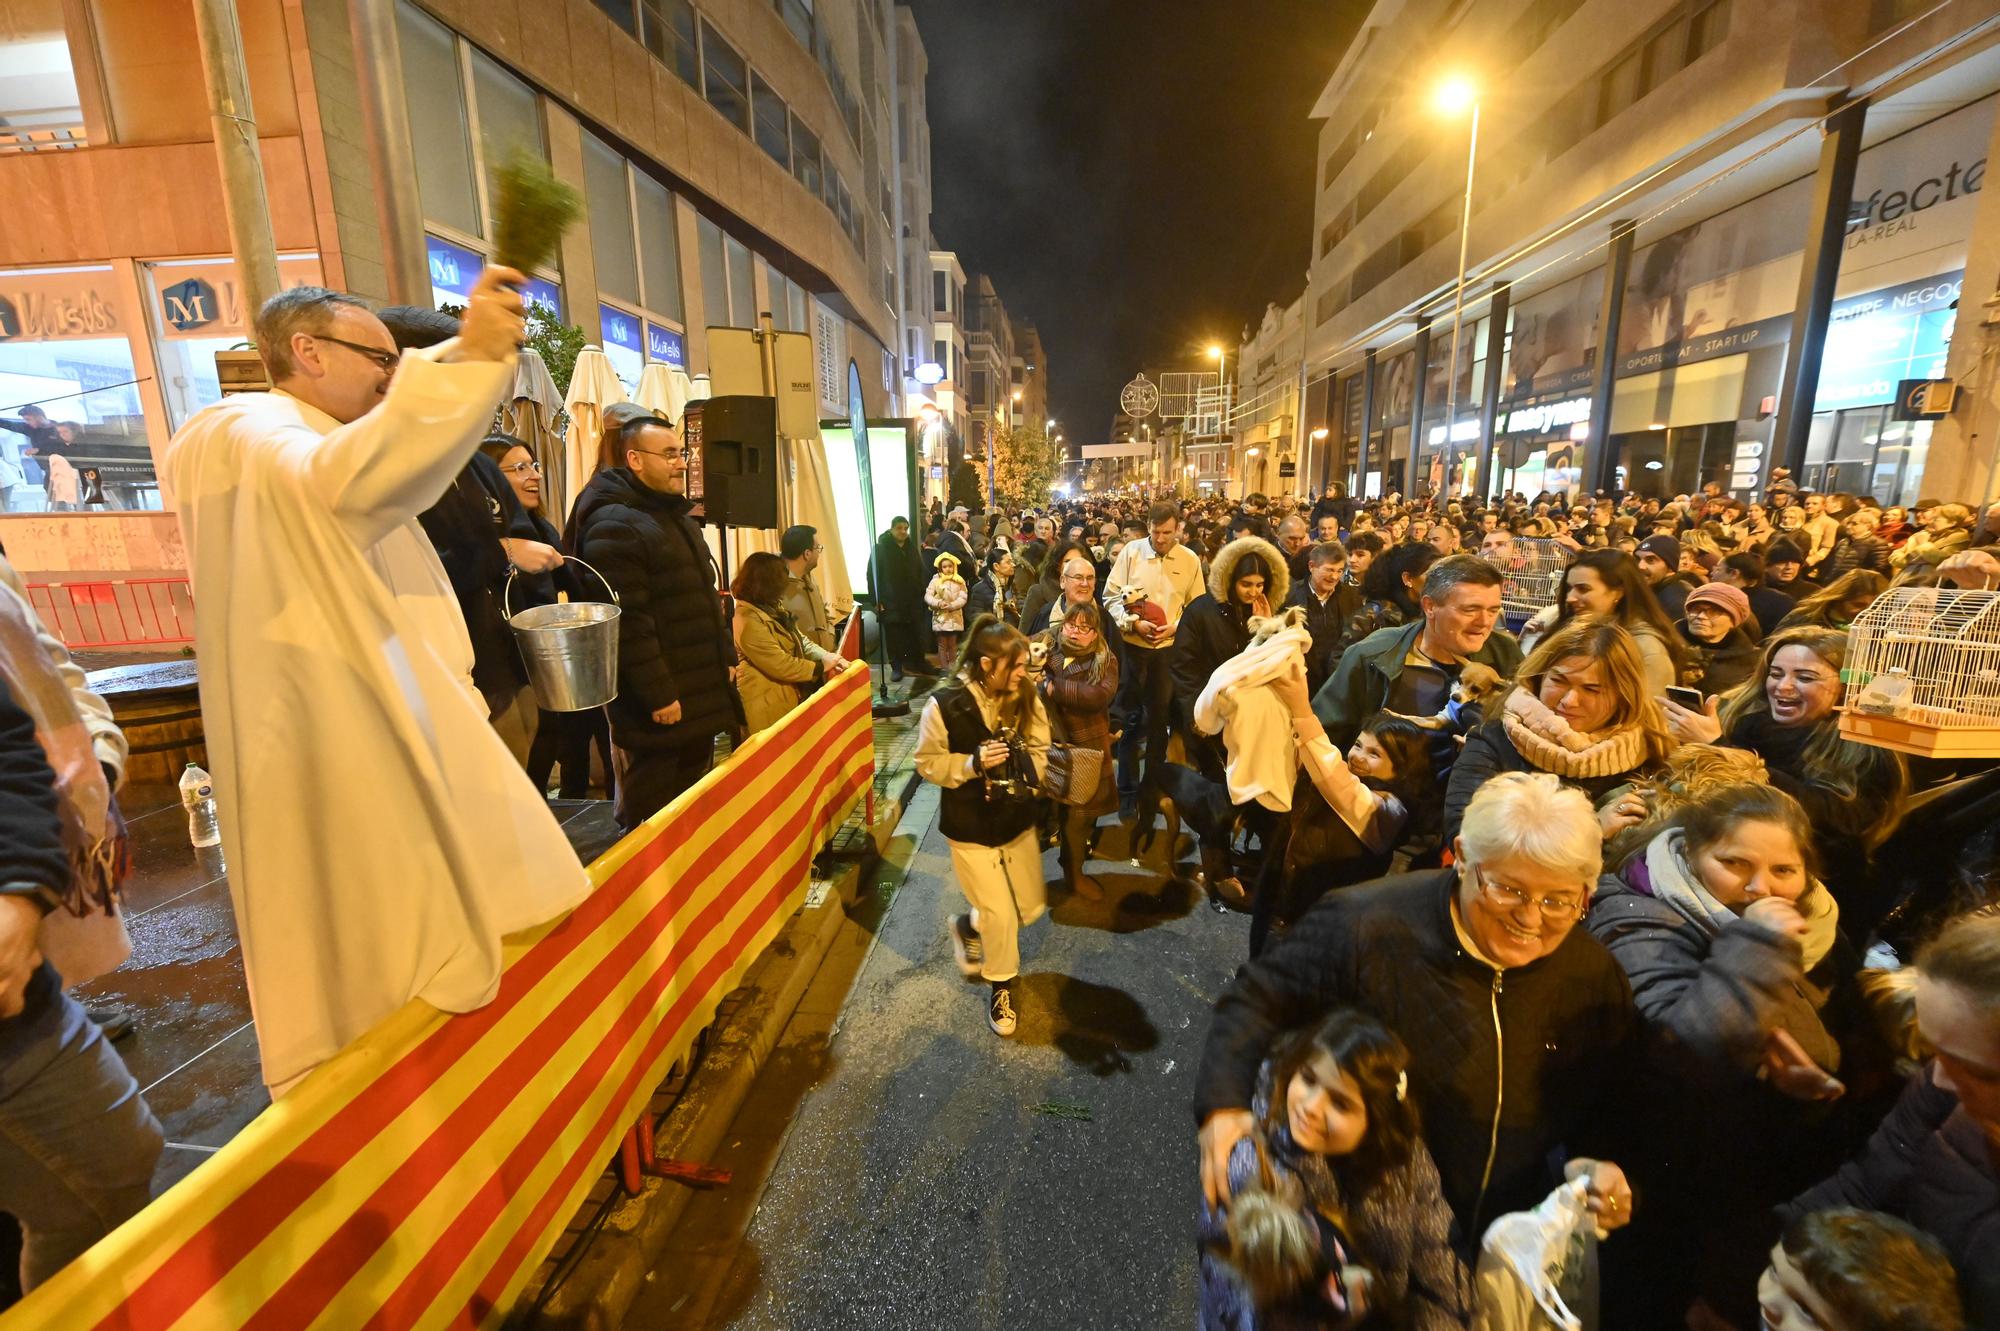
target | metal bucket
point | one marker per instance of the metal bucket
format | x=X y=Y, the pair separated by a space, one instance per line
x=571 y=648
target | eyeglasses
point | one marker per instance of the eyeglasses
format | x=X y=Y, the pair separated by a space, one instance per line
x=670 y=454
x=385 y=361
x=1555 y=910
x=524 y=468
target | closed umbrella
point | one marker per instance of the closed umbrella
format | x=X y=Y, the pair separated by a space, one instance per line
x=664 y=389
x=593 y=386
x=530 y=412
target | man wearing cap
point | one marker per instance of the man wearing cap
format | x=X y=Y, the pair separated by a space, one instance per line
x=1724 y=655
x=800 y=548
x=1745 y=572
x=1660 y=561
x=1785 y=569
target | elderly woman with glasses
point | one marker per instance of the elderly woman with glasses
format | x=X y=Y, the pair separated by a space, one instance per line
x=1519 y=1024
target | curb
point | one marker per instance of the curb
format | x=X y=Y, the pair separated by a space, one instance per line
x=749 y=1023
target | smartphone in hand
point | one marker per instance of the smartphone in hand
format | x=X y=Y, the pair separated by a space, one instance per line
x=1688 y=698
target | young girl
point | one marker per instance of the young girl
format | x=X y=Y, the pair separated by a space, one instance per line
x=1346 y=825
x=1337 y=1214
x=946 y=598
x=963 y=749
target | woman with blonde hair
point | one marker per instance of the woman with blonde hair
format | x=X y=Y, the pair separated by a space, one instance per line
x=1583 y=710
x=1839 y=605
x=983 y=740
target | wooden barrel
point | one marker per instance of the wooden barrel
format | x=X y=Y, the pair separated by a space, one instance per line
x=159 y=708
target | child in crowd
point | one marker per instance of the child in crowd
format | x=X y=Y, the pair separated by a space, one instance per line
x=1848 y=1270
x=946 y=596
x=1337 y=1214
x=1348 y=814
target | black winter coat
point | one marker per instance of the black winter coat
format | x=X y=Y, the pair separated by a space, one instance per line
x=1720 y=666
x=31 y=832
x=1326 y=622
x=466 y=525
x=1929 y=1164
x=898 y=579
x=673 y=643
x=1566 y=1031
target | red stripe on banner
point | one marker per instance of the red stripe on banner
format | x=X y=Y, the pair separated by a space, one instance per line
x=421 y=1286
x=306 y=1292
x=210 y=1253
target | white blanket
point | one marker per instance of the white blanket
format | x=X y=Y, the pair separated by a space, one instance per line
x=1255 y=726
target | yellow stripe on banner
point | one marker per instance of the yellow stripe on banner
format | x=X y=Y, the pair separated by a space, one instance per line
x=487 y=1156
x=98 y=1285
x=348 y=1191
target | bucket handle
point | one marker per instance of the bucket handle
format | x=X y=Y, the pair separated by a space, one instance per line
x=507 y=592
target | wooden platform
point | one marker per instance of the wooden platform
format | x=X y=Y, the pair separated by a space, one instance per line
x=1916 y=737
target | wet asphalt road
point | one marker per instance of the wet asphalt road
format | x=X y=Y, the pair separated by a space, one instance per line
x=937 y=1176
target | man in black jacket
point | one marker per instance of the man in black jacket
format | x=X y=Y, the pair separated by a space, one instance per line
x=1329 y=601
x=77 y=1142
x=676 y=655
x=1519 y=1024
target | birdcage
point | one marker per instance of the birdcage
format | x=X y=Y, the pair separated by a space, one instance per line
x=1534 y=578
x=1923 y=673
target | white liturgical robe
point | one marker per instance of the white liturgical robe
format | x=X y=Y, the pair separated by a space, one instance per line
x=380 y=838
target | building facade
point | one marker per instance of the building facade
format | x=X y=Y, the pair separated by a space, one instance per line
x=1030 y=397
x=736 y=157
x=1663 y=286
x=989 y=363
x=1264 y=417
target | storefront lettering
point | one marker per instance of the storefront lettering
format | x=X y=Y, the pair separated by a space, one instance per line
x=1889 y=205
x=37 y=314
x=1546 y=416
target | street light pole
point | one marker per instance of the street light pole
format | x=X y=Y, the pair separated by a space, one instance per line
x=1458 y=303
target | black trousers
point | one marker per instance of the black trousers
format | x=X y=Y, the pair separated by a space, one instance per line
x=649 y=779
x=1145 y=706
x=563 y=740
x=905 y=648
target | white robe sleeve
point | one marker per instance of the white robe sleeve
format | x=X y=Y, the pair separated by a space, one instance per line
x=380 y=471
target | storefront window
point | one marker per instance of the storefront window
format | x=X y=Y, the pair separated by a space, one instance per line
x=624 y=345
x=510 y=119
x=68 y=351
x=714 y=274
x=197 y=310
x=742 y=295
x=610 y=201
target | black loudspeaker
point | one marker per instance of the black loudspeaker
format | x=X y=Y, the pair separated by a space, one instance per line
x=739 y=461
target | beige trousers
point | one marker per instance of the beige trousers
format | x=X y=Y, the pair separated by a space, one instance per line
x=1005 y=888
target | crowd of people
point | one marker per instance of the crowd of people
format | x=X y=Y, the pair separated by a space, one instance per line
x=1597 y=895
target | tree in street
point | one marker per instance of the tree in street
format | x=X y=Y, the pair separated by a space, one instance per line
x=1026 y=463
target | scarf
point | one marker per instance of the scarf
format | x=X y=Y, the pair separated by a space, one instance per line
x=84 y=937
x=1671 y=879
x=1551 y=744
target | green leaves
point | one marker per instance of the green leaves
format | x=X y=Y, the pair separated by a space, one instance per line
x=531 y=210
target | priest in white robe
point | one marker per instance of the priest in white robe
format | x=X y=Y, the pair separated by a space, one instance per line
x=380 y=838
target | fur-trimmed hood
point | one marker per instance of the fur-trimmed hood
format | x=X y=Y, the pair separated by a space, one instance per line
x=1222 y=569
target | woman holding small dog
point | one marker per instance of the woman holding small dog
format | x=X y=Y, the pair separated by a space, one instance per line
x=1582 y=709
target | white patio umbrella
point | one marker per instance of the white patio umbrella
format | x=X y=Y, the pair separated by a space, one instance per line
x=593 y=386
x=530 y=412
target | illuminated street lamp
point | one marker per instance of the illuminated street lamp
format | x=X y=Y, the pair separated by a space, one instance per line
x=1454 y=97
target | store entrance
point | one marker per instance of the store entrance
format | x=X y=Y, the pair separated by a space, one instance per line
x=1862 y=451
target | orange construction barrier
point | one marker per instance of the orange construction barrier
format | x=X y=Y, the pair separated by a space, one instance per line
x=420 y=1177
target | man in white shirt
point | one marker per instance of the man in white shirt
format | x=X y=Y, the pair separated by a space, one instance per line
x=1170 y=576
x=380 y=838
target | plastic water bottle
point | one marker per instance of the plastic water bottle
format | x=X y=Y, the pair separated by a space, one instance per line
x=198 y=797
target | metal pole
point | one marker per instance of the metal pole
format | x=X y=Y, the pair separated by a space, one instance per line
x=1489 y=397
x=234 y=122
x=392 y=164
x=1819 y=269
x=1367 y=423
x=1458 y=302
x=1421 y=356
x=1604 y=467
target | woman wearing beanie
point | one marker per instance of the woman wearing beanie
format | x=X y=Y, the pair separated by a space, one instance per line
x=1720 y=654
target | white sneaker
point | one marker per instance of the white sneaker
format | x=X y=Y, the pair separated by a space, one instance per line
x=965 y=945
x=1000 y=1010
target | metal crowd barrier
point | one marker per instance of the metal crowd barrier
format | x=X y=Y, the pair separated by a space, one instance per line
x=420 y=1177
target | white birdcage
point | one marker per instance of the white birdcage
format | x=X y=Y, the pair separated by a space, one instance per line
x=1923 y=673
x=1534 y=578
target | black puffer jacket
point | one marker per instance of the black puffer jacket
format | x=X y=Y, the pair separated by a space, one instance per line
x=1213 y=627
x=1719 y=667
x=673 y=643
x=1566 y=1034
x=1929 y=1164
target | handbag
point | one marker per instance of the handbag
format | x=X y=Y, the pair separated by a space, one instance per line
x=1072 y=773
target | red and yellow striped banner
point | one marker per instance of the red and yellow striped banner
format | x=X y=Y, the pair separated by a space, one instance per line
x=419 y=1178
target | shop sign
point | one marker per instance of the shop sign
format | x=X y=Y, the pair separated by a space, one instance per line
x=1287 y=470
x=620 y=329
x=455 y=270
x=1875 y=341
x=666 y=346
x=1545 y=417
x=62 y=306
x=1924 y=399
x=205 y=300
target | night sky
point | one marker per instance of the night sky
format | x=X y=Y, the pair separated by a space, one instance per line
x=1136 y=178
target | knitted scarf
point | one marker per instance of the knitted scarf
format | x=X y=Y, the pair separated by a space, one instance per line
x=1551 y=744
x=1671 y=879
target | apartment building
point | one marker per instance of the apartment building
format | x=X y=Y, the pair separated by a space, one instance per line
x=1667 y=281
